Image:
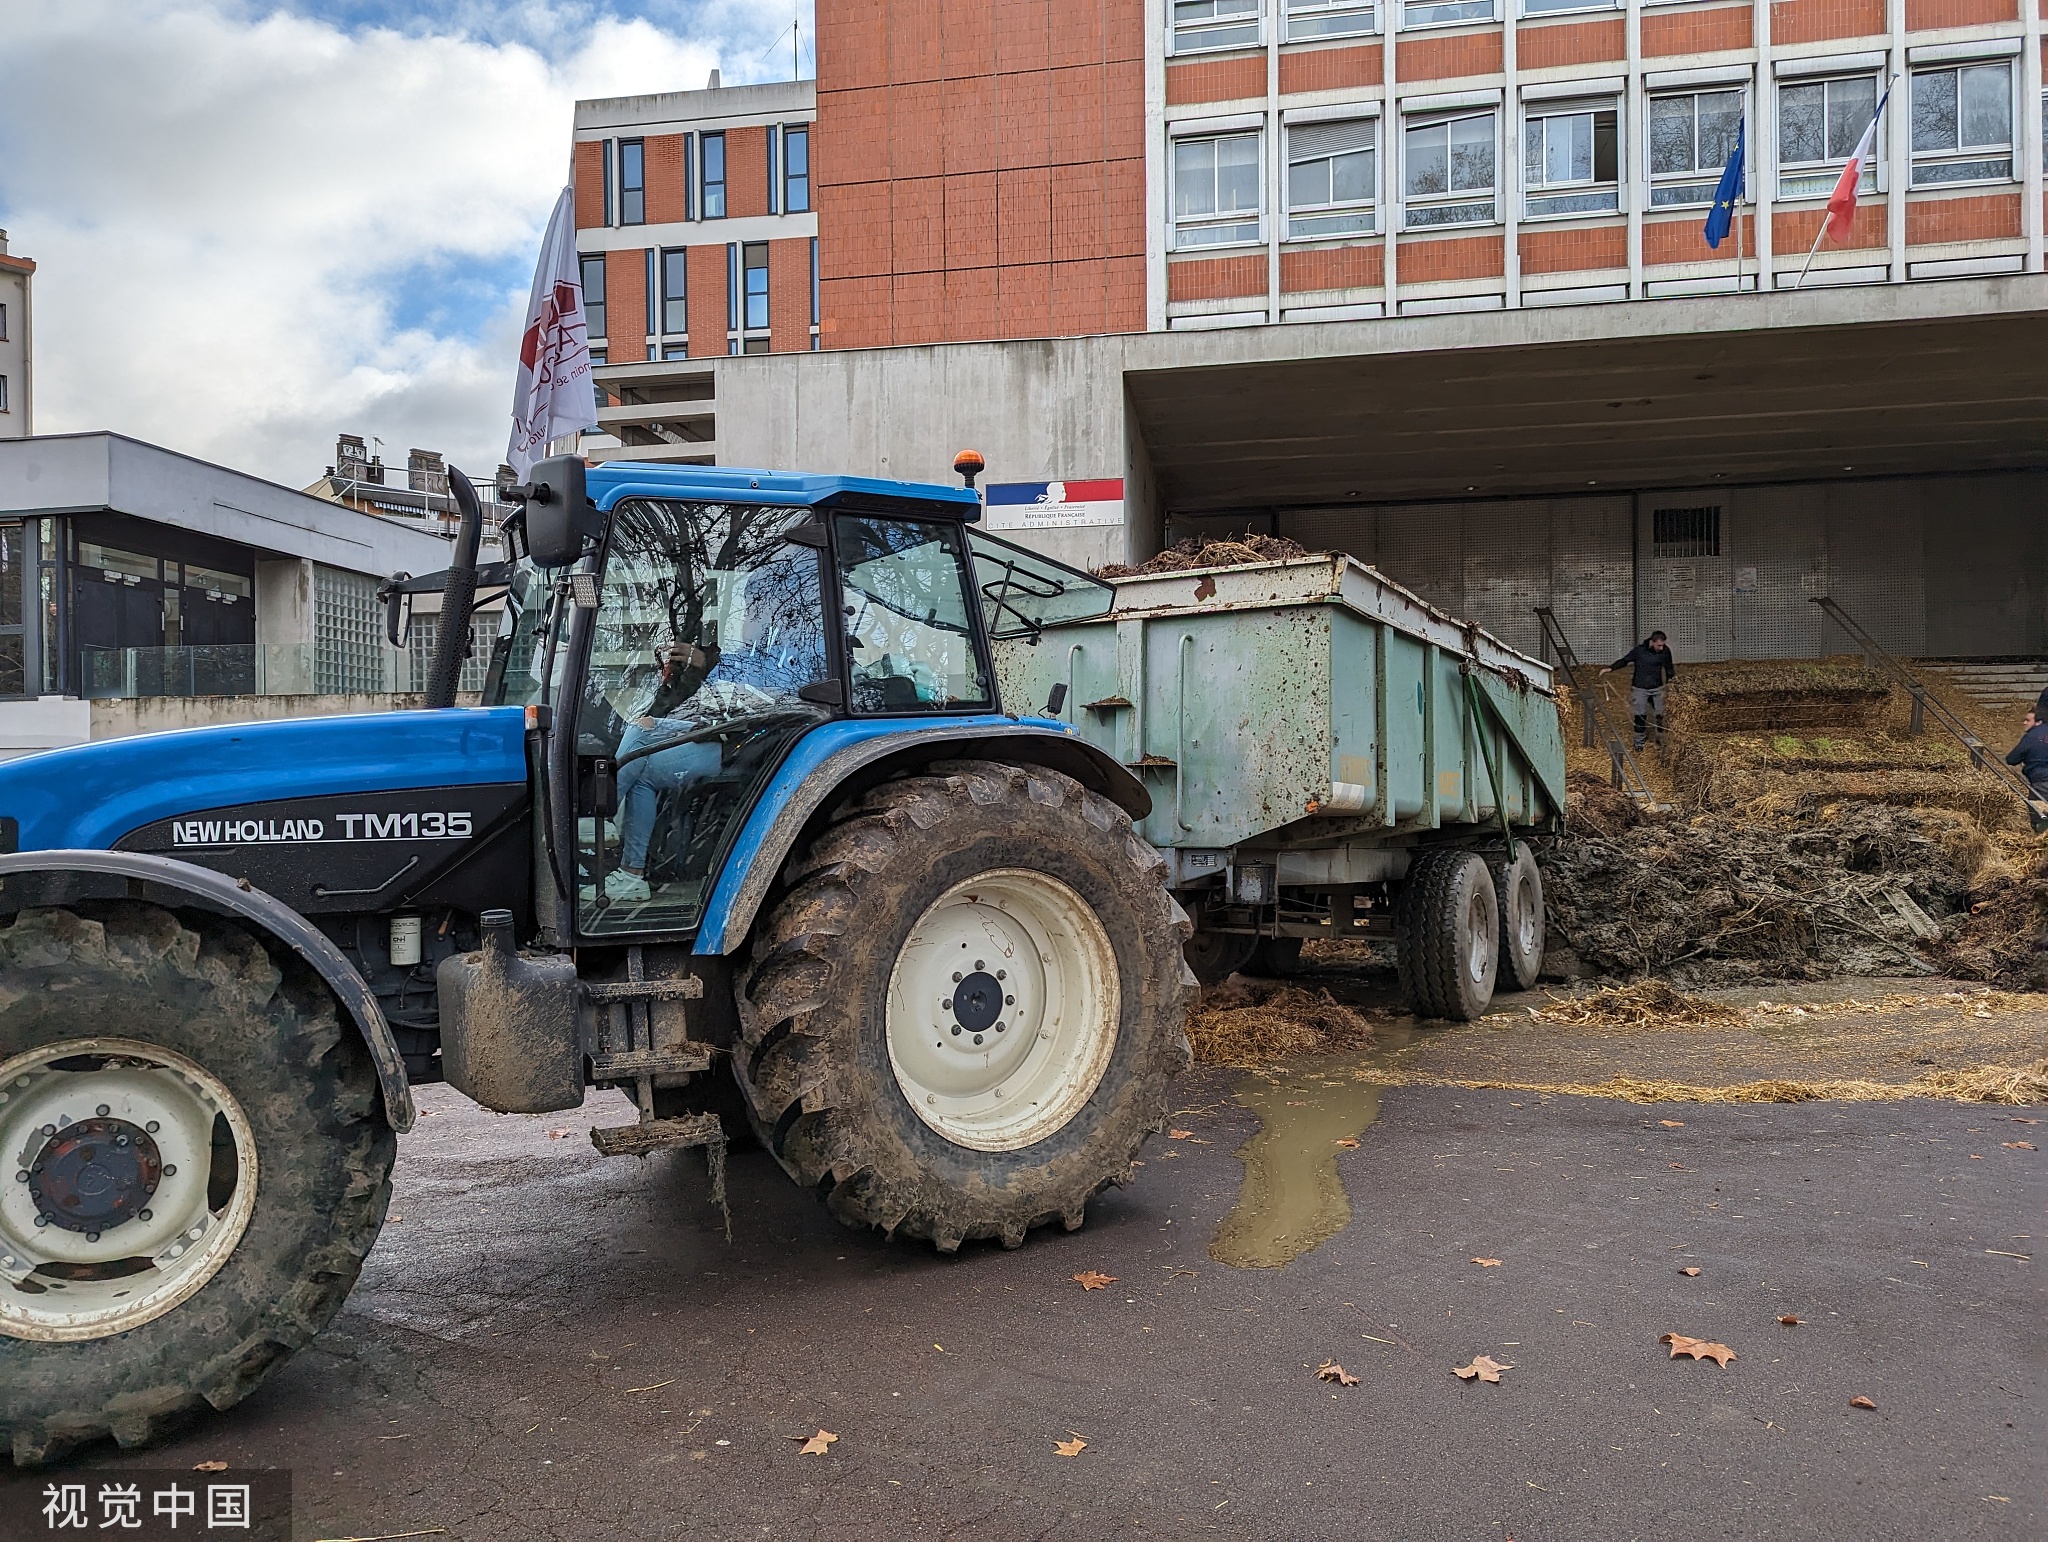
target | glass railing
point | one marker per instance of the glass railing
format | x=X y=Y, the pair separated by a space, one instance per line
x=264 y=669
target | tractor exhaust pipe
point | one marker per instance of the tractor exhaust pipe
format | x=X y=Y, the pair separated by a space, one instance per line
x=451 y=645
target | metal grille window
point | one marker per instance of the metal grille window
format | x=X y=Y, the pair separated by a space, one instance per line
x=796 y=169
x=1694 y=532
x=714 y=177
x=348 y=643
x=1216 y=190
x=593 y=295
x=632 y=182
x=1962 y=124
x=1571 y=160
x=1426 y=13
x=1819 y=122
x=1332 y=177
x=675 y=290
x=1201 y=25
x=754 y=262
x=1449 y=170
x=1329 y=18
x=1692 y=134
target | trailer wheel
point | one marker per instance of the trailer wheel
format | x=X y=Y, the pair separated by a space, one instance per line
x=1448 y=935
x=1518 y=890
x=1216 y=956
x=1276 y=958
x=964 y=1017
x=196 y=1163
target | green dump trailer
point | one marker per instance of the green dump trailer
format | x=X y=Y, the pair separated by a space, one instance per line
x=1328 y=755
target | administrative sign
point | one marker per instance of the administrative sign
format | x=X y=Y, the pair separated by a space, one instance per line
x=1055 y=505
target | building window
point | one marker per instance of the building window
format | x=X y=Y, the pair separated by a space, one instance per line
x=754 y=263
x=1546 y=7
x=675 y=350
x=3 y=395
x=1571 y=159
x=1962 y=124
x=774 y=169
x=1332 y=178
x=607 y=172
x=1433 y=13
x=675 y=291
x=1692 y=532
x=714 y=176
x=1691 y=137
x=1216 y=190
x=754 y=345
x=632 y=182
x=1819 y=122
x=814 y=281
x=600 y=356
x=796 y=169
x=732 y=288
x=1201 y=25
x=3 y=323
x=1328 y=18
x=1449 y=170
x=593 y=295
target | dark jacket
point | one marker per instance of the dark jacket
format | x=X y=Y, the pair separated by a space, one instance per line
x=1652 y=667
x=2031 y=756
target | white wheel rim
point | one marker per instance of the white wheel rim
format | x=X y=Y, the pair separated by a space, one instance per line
x=1037 y=945
x=1479 y=924
x=1525 y=905
x=104 y=1216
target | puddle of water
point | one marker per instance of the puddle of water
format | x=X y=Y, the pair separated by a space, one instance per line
x=1293 y=1199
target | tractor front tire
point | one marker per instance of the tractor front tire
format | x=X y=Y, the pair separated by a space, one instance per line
x=197 y=1162
x=964 y=1016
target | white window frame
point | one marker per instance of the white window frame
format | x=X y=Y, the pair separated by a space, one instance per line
x=1543 y=8
x=1334 y=210
x=1411 y=203
x=1535 y=195
x=1311 y=21
x=1180 y=229
x=1702 y=180
x=1243 y=27
x=1417 y=14
x=1964 y=157
x=1799 y=180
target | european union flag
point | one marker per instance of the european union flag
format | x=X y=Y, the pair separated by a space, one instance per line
x=1726 y=196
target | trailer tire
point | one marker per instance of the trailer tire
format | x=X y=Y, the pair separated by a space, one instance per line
x=1448 y=935
x=1276 y=958
x=1216 y=956
x=834 y=1025
x=1518 y=890
x=192 y=1017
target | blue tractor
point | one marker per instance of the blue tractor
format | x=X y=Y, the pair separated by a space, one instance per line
x=740 y=828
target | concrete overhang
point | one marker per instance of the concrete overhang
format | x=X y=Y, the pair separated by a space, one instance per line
x=1870 y=381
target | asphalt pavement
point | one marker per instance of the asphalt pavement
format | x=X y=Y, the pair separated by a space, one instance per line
x=551 y=1345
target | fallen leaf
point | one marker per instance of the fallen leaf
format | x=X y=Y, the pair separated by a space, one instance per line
x=1485 y=1367
x=1487 y=1263
x=1789 y=1320
x=2021 y=1145
x=1330 y=1370
x=2016 y=1119
x=1348 y=1143
x=393 y=1220
x=558 y=1134
x=1090 y=1279
x=815 y=1445
x=1690 y=1270
x=210 y=1467
x=1699 y=1349
x=1072 y=1447
x=1861 y=1402
x=1975 y=1158
x=1179 y=1134
x=1672 y=1124
x=1677 y=1167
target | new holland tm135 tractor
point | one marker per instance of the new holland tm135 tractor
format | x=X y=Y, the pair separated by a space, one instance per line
x=740 y=827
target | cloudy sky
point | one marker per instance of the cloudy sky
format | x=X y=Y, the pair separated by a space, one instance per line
x=258 y=225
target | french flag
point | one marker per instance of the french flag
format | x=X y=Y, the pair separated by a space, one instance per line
x=1842 y=201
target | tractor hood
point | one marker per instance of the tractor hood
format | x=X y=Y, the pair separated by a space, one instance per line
x=90 y=796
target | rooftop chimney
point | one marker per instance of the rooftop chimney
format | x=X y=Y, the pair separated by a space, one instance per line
x=425 y=472
x=712 y=83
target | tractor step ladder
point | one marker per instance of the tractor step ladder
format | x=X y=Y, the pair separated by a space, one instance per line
x=1622 y=769
x=1875 y=657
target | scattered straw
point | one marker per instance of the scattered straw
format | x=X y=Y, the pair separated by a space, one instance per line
x=1977 y=1003
x=1981 y=1084
x=1253 y=1023
x=1645 y=1004
x=1993 y=1083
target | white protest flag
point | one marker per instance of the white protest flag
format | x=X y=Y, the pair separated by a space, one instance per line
x=554 y=395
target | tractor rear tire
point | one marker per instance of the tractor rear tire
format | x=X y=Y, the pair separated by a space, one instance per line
x=1518 y=889
x=1068 y=964
x=1447 y=935
x=232 y=1052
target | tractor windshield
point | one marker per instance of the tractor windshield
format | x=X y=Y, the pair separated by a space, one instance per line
x=708 y=625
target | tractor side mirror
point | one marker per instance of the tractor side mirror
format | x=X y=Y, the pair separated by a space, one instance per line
x=397 y=609
x=560 y=519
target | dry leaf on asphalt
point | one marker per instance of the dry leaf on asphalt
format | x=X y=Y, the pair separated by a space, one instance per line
x=210 y=1467
x=1672 y=1124
x=1090 y=1279
x=815 y=1445
x=1072 y=1447
x=1861 y=1402
x=2021 y=1145
x=1699 y=1349
x=1330 y=1370
x=1178 y=1134
x=558 y=1134
x=1487 y=1263
x=1485 y=1367
x=1348 y=1143
x=1690 y=1270
x=1789 y=1320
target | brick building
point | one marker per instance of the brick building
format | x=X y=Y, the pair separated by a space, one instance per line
x=17 y=275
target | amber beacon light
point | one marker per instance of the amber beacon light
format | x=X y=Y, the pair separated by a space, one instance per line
x=969 y=465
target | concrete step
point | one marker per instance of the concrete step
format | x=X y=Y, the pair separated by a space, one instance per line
x=2000 y=684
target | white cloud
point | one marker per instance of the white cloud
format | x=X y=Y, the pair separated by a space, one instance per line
x=228 y=211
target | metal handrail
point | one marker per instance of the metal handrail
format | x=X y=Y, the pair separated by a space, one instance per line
x=1620 y=758
x=1980 y=757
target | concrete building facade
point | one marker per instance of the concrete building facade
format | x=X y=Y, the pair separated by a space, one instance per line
x=17 y=336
